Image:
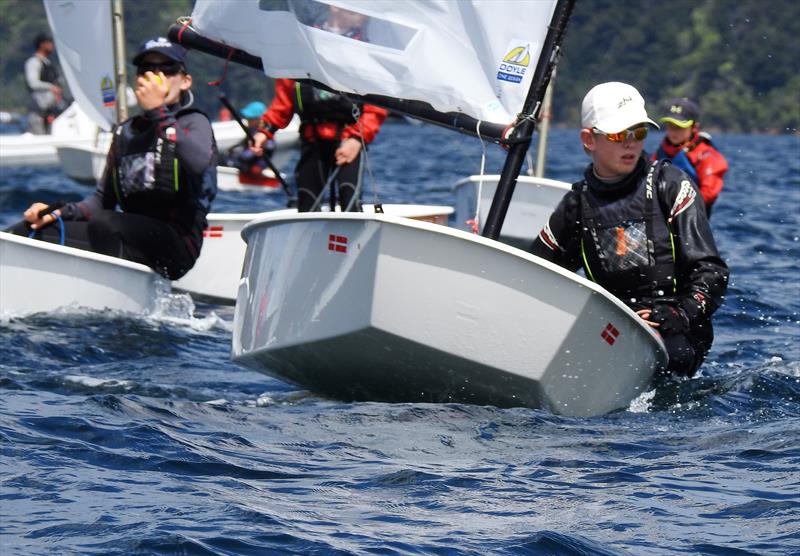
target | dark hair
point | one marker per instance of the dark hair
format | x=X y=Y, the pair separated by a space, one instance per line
x=40 y=38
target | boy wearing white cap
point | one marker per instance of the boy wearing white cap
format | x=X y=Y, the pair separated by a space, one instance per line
x=638 y=229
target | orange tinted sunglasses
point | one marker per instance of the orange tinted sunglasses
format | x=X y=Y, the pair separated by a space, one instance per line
x=636 y=134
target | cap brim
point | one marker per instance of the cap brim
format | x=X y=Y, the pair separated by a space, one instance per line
x=607 y=128
x=139 y=57
x=680 y=123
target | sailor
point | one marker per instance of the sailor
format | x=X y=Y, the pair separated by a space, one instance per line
x=691 y=150
x=639 y=229
x=45 y=85
x=241 y=155
x=160 y=171
x=334 y=130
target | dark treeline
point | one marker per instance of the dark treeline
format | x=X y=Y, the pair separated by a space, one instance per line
x=739 y=58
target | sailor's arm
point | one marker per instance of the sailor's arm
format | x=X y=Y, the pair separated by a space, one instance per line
x=702 y=274
x=368 y=124
x=559 y=239
x=33 y=69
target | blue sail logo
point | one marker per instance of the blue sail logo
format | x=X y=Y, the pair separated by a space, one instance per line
x=107 y=90
x=514 y=64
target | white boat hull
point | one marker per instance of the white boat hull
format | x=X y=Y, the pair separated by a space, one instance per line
x=72 y=128
x=370 y=307
x=216 y=273
x=533 y=202
x=38 y=276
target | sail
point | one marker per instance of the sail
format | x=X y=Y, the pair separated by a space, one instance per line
x=83 y=38
x=475 y=57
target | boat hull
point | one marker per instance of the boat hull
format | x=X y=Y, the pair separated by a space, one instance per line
x=377 y=308
x=72 y=128
x=38 y=276
x=534 y=202
x=215 y=275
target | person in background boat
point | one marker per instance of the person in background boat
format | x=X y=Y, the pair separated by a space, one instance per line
x=241 y=156
x=160 y=171
x=45 y=85
x=637 y=228
x=334 y=130
x=691 y=150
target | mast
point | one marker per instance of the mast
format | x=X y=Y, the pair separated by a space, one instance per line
x=530 y=111
x=120 y=73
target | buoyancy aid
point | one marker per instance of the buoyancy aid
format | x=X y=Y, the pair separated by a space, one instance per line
x=147 y=166
x=680 y=159
x=317 y=106
x=48 y=72
x=631 y=255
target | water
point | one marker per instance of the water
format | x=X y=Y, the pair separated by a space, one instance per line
x=126 y=434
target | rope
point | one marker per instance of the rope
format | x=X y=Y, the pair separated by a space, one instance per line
x=475 y=222
x=231 y=52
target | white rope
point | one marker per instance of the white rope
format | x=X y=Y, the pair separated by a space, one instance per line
x=476 y=219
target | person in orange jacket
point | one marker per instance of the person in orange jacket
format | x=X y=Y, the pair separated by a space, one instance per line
x=334 y=130
x=692 y=150
x=334 y=133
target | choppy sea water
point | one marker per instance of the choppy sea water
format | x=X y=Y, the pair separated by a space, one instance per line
x=135 y=434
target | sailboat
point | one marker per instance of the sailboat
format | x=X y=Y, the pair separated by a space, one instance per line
x=40 y=276
x=86 y=52
x=535 y=197
x=71 y=127
x=373 y=307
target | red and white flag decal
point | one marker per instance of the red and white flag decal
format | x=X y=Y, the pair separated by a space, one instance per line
x=337 y=243
x=213 y=231
x=610 y=334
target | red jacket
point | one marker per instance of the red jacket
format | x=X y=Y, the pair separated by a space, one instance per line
x=708 y=163
x=283 y=107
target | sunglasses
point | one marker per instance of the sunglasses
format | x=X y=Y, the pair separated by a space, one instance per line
x=636 y=134
x=167 y=68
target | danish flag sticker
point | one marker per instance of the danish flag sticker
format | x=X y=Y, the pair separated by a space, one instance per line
x=213 y=231
x=610 y=334
x=337 y=243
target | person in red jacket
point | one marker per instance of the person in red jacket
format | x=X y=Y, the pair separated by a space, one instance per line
x=691 y=150
x=334 y=132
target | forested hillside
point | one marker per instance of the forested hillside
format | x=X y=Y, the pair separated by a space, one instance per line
x=739 y=58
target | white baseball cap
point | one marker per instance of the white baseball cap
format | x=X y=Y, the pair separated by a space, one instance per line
x=613 y=107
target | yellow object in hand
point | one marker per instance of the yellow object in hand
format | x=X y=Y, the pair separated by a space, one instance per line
x=160 y=81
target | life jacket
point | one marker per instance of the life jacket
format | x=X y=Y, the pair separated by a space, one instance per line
x=47 y=72
x=320 y=106
x=626 y=243
x=147 y=169
x=681 y=160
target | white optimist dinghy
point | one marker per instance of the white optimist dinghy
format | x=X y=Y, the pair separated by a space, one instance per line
x=39 y=276
x=372 y=307
x=534 y=201
x=215 y=275
x=71 y=127
x=92 y=63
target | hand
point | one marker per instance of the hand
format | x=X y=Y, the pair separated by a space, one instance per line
x=32 y=216
x=259 y=139
x=348 y=151
x=151 y=90
x=670 y=319
x=56 y=90
x=645 y=315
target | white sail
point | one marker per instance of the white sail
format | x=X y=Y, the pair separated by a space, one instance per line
x=471 y=56
x=83 y=39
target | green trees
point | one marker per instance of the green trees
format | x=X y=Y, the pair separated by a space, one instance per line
x=739 y=59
